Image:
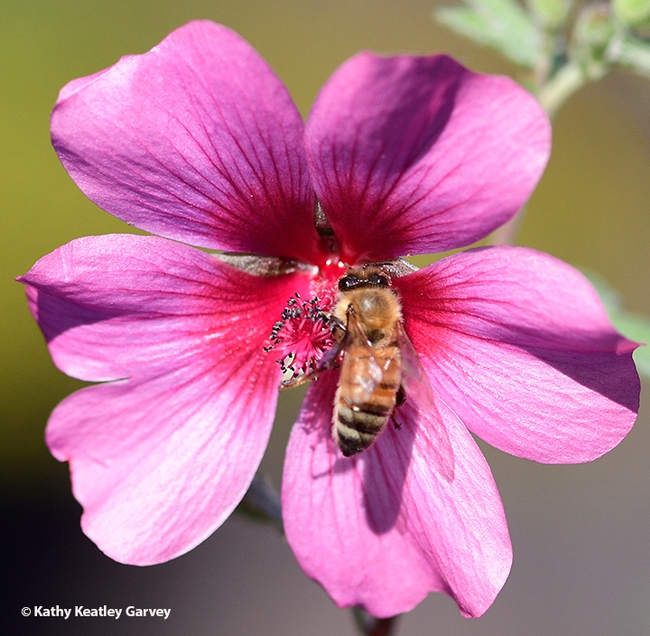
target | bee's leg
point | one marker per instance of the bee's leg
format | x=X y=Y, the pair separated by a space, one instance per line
x=400 y=399
x=294 y=382
x=338 y=328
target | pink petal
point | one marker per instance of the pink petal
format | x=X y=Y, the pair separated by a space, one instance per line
x=419 y=155
x=158 y=461
x=385 y=527
x=518 y=344
x=196 y=140
x=121 y=305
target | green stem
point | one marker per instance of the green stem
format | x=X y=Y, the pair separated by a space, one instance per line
x=262 y=502
x=370 y=626
x=551 y=95
x=560 y=87
x=383 y=626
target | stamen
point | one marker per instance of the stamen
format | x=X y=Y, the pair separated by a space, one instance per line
x=301 y=337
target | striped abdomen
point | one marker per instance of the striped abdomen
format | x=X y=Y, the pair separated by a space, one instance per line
x=366 y=396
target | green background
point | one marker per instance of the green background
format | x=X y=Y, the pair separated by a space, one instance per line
x=580 y=533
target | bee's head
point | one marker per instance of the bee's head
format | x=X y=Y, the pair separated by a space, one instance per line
x=363 y=278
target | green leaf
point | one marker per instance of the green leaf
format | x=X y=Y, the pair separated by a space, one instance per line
x=631 y=52
x=610 y=298
x=633 y=326
x=632 y=12
x=464 y=21
x=502 y=24
x=593 y=33
x=552 y=13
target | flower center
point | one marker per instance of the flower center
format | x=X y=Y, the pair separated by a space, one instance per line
x=300 y=337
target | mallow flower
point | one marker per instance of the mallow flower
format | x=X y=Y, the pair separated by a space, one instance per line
x=257 y=216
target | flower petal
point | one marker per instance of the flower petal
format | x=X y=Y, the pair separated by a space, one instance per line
x=519 y=345
x=385 y=527
x=419 y=155
x=196 y=140
x=158 y=461
x=116 y=306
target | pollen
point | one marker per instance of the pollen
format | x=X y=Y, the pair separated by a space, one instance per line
x=300 y=338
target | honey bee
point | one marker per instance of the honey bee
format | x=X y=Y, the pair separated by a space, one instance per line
x=379 y=368
x=368 y=324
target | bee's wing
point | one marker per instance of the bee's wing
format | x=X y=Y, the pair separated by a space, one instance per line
x=420 y=397
x=356 y=344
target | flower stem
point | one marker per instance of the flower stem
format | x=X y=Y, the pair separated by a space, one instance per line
x=553 y=93
x=370 y=626
x=262 y=502
x=383 y=626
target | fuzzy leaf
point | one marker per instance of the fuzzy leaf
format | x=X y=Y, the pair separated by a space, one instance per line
x=633 y=326
x=608 y=296
x=551 y=13
x=633 y=53
x=632 y=12
x=501 y=24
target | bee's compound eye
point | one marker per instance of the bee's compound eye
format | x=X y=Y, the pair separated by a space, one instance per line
x=348 y=282
x=378 y=280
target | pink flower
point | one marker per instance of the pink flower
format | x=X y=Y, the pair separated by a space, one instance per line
x=198 y=141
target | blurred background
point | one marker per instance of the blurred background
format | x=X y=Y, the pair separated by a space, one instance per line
x=581 y=534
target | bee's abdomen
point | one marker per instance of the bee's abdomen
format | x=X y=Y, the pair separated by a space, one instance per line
x=357 y=425
x=366 y=396
x=355 y=430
